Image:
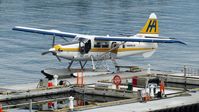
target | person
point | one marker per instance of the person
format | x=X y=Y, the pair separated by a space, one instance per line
x=162 y=87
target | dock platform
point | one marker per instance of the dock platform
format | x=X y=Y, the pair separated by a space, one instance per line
x=100 y=94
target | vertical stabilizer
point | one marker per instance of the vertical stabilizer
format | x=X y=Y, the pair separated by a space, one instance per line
x=151 y=26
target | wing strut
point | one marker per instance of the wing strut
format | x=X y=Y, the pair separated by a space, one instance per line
x=53 y=43
x=116 y=47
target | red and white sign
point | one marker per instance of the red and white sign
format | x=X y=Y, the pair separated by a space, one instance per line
x=117 y=80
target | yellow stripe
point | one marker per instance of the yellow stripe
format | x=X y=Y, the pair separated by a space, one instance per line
x=69 y=49
x=133 y=49
x=105 y=49
x=100 y=49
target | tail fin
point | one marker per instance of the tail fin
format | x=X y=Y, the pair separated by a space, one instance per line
x=151 y=26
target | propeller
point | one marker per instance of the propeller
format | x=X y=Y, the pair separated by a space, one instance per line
x=53 y=53
x=52 y=50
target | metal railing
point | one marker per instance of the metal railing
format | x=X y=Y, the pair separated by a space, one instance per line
x=191 y=71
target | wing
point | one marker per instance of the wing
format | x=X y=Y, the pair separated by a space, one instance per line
x=45 y=32
x=138 y=39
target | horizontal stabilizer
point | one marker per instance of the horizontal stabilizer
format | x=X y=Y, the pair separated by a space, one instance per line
x=148 y=54
x=45 y=32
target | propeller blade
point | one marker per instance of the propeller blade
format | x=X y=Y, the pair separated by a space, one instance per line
x=44 y=53
x=58 y=58
x=53 y=53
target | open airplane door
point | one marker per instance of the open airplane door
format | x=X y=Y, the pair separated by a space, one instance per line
x=84 y=45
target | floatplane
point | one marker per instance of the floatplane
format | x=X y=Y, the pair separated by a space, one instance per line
x=93 y=48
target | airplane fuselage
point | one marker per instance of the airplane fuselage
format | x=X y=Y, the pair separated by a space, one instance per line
x=101 y=50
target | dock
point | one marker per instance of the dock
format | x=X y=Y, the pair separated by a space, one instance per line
x=99 y=93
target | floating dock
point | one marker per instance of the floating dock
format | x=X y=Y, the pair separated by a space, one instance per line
x=137 y=91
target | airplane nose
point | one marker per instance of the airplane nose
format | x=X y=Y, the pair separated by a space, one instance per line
x=57 y=47
x=52 y=49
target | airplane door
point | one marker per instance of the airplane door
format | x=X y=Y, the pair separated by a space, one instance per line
x=85 y=47
x=114 y=44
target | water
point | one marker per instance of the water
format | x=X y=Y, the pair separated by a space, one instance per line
x=21 y=60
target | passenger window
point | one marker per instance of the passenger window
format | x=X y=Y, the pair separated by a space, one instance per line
x=105 y=45
x=97 y=44
x=101 y=45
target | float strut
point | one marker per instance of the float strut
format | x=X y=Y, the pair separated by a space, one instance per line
x=84 y=64
x=81 y=65
x=93 y=64
x=70 y=64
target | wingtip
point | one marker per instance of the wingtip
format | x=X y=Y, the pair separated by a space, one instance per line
x=183 y=43
x=16 y=27
x=180 y=42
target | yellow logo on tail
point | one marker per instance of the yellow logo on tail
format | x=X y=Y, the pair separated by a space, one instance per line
x=151 y=26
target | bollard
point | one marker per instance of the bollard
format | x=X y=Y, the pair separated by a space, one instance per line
x=71 y=106
x=55 y=80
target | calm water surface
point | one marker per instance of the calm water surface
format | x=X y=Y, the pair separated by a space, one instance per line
x=21 y=61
